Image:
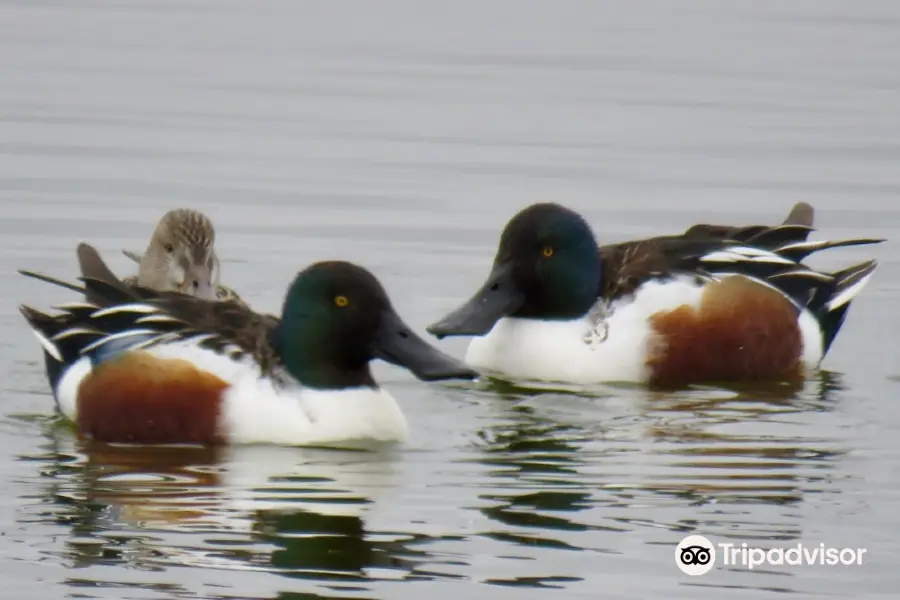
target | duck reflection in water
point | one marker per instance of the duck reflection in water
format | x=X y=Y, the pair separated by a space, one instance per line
x=630 y=458
x=300 y=513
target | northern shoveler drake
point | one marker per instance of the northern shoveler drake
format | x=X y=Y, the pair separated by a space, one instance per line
x=166 y=368
x=181 y=257
x=702 y=306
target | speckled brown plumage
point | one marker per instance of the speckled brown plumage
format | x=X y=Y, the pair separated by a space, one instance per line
x=192 y=228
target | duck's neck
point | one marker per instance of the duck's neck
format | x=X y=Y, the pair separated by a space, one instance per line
x=316 y=361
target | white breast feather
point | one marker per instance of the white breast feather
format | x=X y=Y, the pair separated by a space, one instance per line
x=256 y=411
x=556 y=351
x=526 y=349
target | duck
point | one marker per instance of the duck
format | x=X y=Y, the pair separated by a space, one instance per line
x=714 y=304
x=145 y=367
x=181 y=256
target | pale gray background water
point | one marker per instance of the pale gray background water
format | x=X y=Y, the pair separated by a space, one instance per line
x=403 y=136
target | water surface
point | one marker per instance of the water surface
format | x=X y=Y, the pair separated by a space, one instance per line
x=403 y=136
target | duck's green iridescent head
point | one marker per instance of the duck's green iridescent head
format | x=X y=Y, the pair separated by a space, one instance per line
x=337 y=318
x=547 y=267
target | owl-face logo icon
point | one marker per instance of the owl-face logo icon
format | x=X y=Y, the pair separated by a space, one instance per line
x=695 y=555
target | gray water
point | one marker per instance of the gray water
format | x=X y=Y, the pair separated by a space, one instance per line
x=403 y=136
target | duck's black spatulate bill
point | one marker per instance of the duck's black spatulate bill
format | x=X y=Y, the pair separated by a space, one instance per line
x=397 y=344
x=498 y=297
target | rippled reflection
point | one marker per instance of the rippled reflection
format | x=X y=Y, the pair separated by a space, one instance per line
x=644 y=461
x=541 y=457
x=297 y=513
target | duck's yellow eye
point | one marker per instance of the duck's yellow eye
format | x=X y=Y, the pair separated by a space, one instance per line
x=547 y=251
x=341 y=301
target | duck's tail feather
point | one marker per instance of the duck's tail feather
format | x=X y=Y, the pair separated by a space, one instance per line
x=849 y=283
x=44 y=327
x=773 y=238
x=61 y=336
x=799 y=251
x=802 y=284
x=802 y=213
x=798 y=223
x=53 y=280
x=93 y=267
x=830 y=304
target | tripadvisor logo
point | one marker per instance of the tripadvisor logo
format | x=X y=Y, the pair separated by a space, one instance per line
x=696 y=555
